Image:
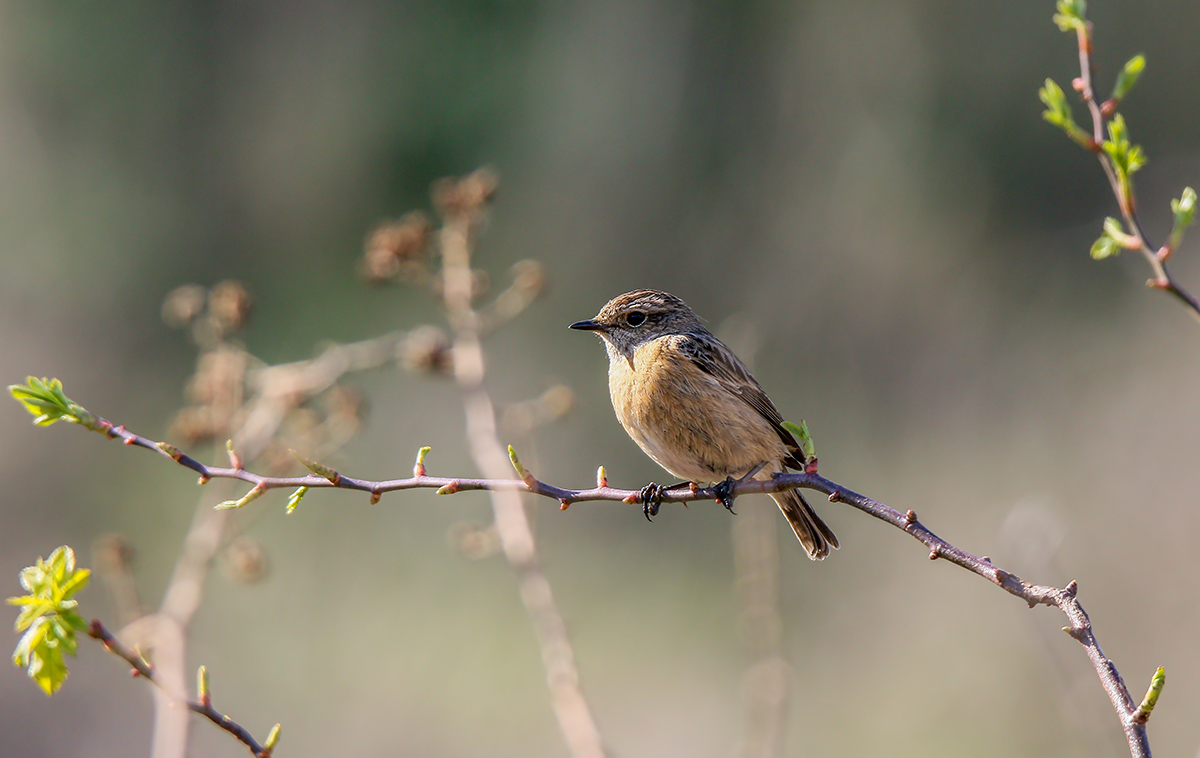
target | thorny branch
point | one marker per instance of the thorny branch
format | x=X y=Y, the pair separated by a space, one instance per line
x=1132 y=717
x=202 y=706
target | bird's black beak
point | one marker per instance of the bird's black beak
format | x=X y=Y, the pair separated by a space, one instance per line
x=589 y=325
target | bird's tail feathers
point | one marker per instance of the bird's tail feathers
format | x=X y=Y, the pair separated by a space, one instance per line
x=814 y=535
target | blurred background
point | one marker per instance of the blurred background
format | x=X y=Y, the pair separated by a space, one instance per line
x=862 y=194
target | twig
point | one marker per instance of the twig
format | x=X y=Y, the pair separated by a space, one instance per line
x=203 y=706
x=1100 y=113
x=275 y=392
x=1064 y=599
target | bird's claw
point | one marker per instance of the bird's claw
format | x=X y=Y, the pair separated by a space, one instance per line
x=724 y=492
x=651 y=497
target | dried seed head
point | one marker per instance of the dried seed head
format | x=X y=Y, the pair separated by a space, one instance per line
x=183 y=305
x=229 y=306
x=246 y=561
x=467 y=195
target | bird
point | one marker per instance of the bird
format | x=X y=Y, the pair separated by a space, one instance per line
x=691 y=405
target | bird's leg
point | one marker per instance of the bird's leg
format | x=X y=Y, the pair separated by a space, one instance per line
x=724 y=492
x=651 y=497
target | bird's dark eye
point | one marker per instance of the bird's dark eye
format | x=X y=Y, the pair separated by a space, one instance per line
x=635 y=318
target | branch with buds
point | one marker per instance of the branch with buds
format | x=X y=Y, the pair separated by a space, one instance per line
x=203 y=702
x=1133 y=716
x=1118 y=156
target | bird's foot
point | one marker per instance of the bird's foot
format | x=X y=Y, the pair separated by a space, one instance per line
x=651 y=497
x=724 y=492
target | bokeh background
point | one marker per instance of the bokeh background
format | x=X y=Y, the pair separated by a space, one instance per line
x=863 y=192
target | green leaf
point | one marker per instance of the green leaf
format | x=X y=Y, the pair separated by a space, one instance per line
x=1113 y=229
x=800 y=432
x=1129 y=76
x=1185 y=213
x=1105 y=247
x=254 y=494
x=1151 y=699
x=295 y=498
x=1058 y=112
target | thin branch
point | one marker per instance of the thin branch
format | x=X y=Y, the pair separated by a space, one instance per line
x=275 y=391
x=204 y=707
x=1080 y=627
x=1100 y=113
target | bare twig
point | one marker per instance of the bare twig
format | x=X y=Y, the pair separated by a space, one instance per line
x=275 y=391
x=202 y=706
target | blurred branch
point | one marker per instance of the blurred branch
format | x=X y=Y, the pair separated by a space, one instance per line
x=518 y=543
x=462 y=204
x=202 y=705
x=765 y=685
x=1119 y=158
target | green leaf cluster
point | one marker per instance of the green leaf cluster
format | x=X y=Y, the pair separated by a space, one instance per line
x=1126 y=157
x=48 y=618
x=1071 y=16
x=1058 y=112
x=44 y=399
x=1113 y=240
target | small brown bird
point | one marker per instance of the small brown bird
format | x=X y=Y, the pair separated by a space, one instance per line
x=692 y=406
